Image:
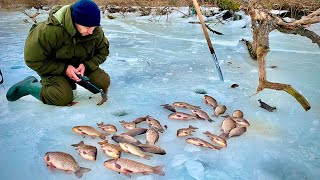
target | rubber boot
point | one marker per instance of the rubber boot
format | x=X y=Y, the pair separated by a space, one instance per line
x=28 y=86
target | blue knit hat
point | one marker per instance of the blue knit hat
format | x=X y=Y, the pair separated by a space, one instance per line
x=86 y=13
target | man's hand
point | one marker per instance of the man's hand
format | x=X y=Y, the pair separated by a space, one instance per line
x=71 y=73
x=80 y=70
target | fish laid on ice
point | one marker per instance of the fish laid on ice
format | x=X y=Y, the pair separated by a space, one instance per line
x=237 y=114
x=237 y=131
x=227 y=125
x=86 y=151
x=154 y=149
x=90 y=131
x=107 y=127
x=111 y=150
x=186 y=131
x=135 y=132
x=202 y=143
x=169 y=107
x=132 y=149
x=140 y=119
x=185 y=105
x=181 y=116
x=219 y=110
x=126 y=139
x=210 y=100
x=201 y=114
x=155 y=124
x=64 y=161
x=152 y=136
x=241 y=122
x=128 y=125
x=216 y=139
x=127 y=167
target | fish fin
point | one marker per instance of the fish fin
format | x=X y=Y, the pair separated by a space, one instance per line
x=122 y=121
x=147 y=156
x=103 y=142
x=68 y=171
x=158 y=170
x=52 y=167
x=83 y=135
x=100 y=124
x=79 y=144
x=103 y=135
x=145 y=173
x=127 y=172
x=192 y=127
x=211 y=120
x=207 y=132
x=80 y=172
x=118 y=166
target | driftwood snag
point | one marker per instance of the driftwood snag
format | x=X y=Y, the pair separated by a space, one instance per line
x=262 y=24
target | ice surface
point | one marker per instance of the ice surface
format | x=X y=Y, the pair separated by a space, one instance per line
x=195 y=169
x=159 y=62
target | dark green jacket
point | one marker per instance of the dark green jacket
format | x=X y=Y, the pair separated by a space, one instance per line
x=54 y=44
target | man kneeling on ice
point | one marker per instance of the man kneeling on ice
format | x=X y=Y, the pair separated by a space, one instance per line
x=70 y=43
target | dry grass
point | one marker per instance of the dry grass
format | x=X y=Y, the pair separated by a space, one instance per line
x=293 y=5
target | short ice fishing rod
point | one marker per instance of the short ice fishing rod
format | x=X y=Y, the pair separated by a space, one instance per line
x=86 y=80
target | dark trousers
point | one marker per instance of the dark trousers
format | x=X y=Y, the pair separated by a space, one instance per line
x=57 y=90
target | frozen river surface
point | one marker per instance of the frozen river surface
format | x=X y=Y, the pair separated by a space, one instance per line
x=154 y=63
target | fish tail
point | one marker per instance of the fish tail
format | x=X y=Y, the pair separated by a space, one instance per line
x=158 y=170
x=192 y=127
x=224 y=135
x=103 y=135
x=82 y=170
x=79 y=144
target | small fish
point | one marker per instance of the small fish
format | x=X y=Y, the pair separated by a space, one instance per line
x=127 y=167
x=185 y=105
x=237 y=114
x=266 y=106
x=219 y=110
x=126 y=139
x=210 y=100
x=132 y=149
x=154 y=149
x=186 y=131
x=237 y=131
x=181 y=116
x=64 y=161
x=241 y=122
x=140 y=119
x=169 y=107
x=107 y=127
x=201 y=114
x=227 y=125
x=202 y=143
x=135 y=132
x=86 y=151
x=152 y=136
x=128 y=125
x=155 y=124
x=111 y=150
x=216 y=139
x=90 y=131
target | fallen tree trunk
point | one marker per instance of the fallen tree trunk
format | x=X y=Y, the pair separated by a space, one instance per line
x=262 y=24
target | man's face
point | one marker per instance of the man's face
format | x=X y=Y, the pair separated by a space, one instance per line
x=83 y=30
